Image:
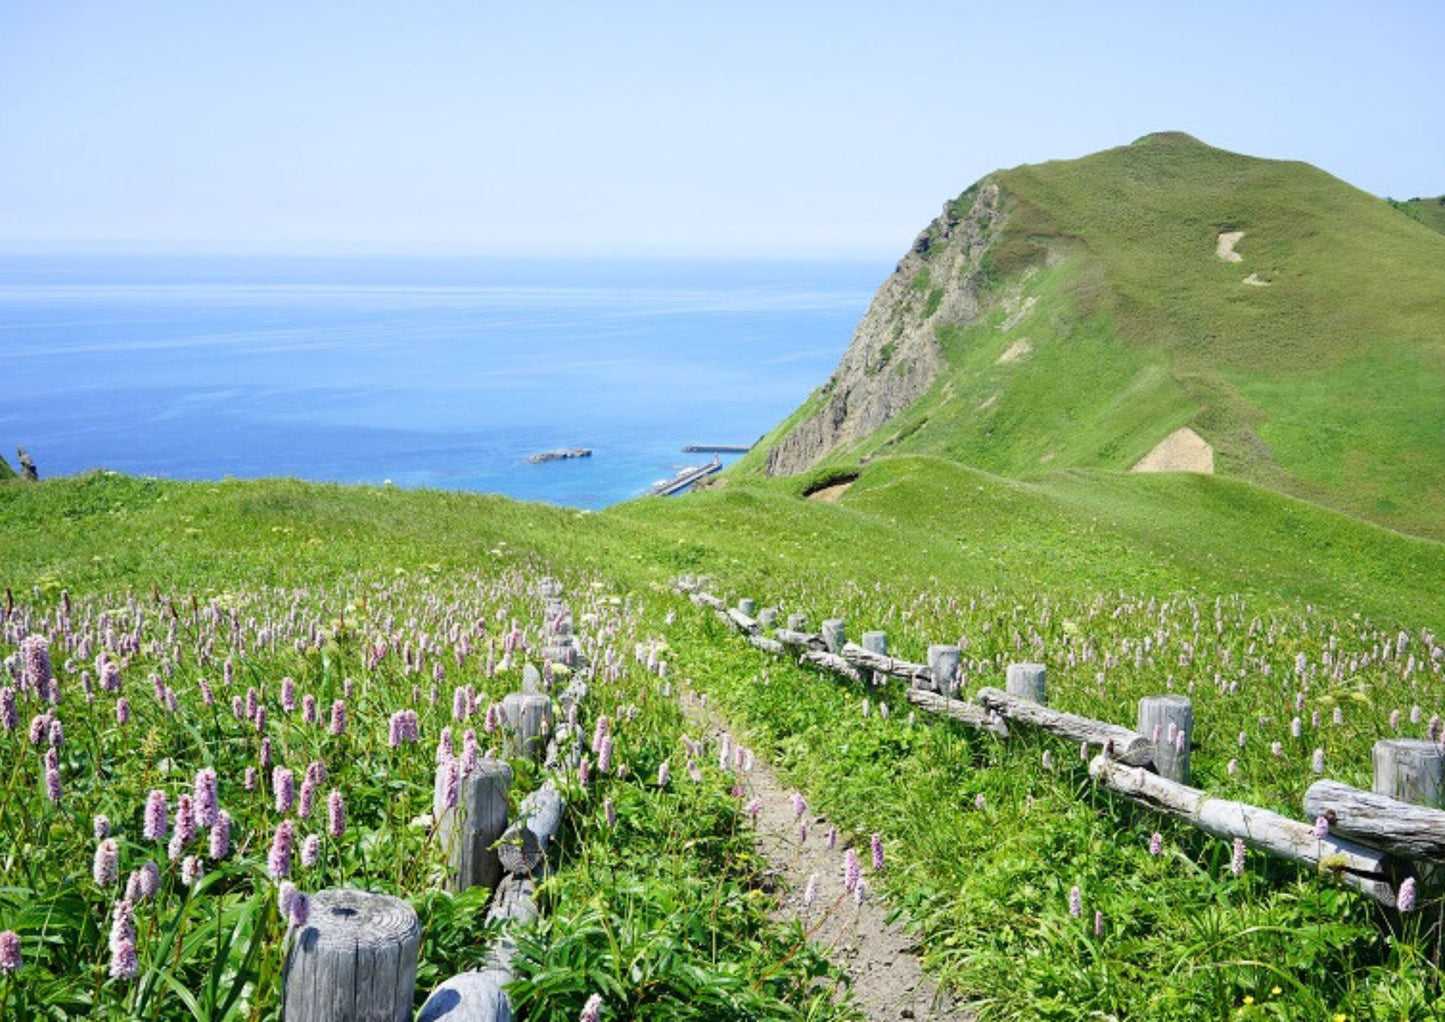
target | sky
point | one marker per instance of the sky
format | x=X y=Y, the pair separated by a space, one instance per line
x=734 y=128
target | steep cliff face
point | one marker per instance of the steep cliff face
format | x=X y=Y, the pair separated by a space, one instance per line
x=894 y=355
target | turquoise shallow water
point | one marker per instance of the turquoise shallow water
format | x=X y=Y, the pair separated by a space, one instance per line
x=428 y=372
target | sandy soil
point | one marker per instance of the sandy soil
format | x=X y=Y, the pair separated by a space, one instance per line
x=887 y=980
x=1225 y=246
x=1253 y=281
x=1181 y=451
x=830 y=494
x=1017 y=350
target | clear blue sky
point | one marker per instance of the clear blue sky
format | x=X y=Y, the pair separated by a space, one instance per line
x=719 y=127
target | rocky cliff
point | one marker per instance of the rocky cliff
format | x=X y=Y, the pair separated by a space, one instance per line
x=894 y=355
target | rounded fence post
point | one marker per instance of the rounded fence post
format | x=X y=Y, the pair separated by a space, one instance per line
x=768 y=617
x=876 y=642
x=943 y=662
x=835 y=633
x=797 y=622
x=355 y=958
x=1027 y=681
x=529 y=722
x=1411 y=770
x=1168 y=722
x=468 y=830
x=748 y=606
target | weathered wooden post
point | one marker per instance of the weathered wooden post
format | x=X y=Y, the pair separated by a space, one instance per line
x=529 y=722
x=1411 y=770
x=768 y=617
x=797 y=622
x=943 y=663
x=1027 y=682
x=876 y=642
x=1162 y=719
x=354 y=959
x=748 y=606
x=469 y=829
x=835 y=633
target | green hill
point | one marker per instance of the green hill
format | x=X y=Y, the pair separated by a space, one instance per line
x=1073 y=314
x=1430 y=212
x=6 y=472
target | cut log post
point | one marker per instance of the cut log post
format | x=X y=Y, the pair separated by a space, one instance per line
x=1366 y=869
x=805 y=640
x=877 y=644
x=943 y=662
x=685 y=583
x=469 y=829
x=1027 y=682
x=915 y=674
x=531 y=679
x=469 y=997
x=1411 y=770
x=767 y=645
x=835 y=633
x=832 y=662
x=523 y=848
x=797 y=622
x=355 y=959
x=768 y=617
x=549 y=588
x=956 y=709
x=748 y=606
x=529 y=723
x=1126 y=746
x=742 y=622
x=1161 y=720
x=1409 y=831
x=706 y=600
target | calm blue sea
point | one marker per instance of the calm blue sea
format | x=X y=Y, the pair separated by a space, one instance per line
x=428 y=372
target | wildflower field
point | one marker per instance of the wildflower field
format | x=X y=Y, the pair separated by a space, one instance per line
x=222 y=699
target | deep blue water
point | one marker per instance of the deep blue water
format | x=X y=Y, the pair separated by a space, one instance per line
x=428 y=372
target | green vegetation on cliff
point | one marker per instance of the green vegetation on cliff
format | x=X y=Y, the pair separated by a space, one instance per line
x=1295 y=322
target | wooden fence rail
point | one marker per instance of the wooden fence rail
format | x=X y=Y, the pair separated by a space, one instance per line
x=1370 y=841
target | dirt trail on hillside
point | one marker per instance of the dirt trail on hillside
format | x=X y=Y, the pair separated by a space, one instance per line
x=887 y=980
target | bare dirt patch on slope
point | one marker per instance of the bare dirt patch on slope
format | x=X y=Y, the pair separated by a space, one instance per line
x=1181 y=451
x=1224 y=246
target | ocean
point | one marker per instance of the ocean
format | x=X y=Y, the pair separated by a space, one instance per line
x=427 y=372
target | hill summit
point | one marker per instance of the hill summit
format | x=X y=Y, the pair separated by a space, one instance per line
x=1161 y=305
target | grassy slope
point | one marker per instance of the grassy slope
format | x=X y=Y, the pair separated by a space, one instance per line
x=1329 y=384
x=905 y=522
x=1430 y=212
x=6 y=472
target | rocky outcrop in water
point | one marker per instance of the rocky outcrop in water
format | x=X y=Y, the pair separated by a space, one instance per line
x=895 y=354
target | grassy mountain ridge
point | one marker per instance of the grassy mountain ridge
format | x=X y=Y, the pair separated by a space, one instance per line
x=1314 y=362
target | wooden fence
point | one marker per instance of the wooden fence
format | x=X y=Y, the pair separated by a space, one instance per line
x=356 y=955
x=1372 y=841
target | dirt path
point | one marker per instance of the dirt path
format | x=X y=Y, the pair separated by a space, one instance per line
x=888 y=982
